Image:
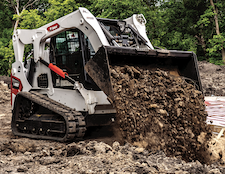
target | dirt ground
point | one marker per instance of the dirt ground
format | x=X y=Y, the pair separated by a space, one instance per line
x=212 y=78
x=102 y=153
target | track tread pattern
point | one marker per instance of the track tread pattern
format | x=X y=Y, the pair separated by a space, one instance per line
x=75 y=122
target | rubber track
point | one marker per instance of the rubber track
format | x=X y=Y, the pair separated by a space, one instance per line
x=75 y=124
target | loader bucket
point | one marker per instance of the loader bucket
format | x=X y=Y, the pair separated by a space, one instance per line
x=181 y=63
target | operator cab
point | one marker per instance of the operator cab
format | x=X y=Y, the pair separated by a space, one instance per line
x=70 y=51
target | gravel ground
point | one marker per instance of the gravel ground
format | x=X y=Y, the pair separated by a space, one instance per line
x=212 y=78
x=32 y=156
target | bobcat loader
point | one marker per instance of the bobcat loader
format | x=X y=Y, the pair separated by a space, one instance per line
x=63 y=86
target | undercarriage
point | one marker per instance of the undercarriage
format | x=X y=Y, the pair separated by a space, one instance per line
x=37 y=116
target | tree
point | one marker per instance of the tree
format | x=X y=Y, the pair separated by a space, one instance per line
x=59 y=8
x=195 y=25
x=6 y=53
x=18 y=7
x=176 y=29
x=215 y=10
x=31 y=19
x=5 y=37
x=46 y=11
x=15 y=9
x=117 y=9
x=211 y=31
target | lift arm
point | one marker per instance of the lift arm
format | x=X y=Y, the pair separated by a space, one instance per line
x=81 y=19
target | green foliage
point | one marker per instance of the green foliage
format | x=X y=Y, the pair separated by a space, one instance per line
x=179 y=41
x=6 y=28
x=205 y=19
x=117 y=9
x=6 y=54
x=6 y=36
x=216 y=44
x=30 y=19
x=173 y=24
x=35 y=18
x=206 y=26
x=5 y=17
x=59 y=8
x=6 y=51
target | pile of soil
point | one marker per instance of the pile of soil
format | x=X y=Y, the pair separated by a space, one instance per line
x=161 y=112
x=212 y=78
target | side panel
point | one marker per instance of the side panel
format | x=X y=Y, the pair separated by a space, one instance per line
x=19 y=72
x=70 y=98
x=74 y=99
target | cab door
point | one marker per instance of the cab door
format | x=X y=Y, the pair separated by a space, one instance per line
x=70 y=50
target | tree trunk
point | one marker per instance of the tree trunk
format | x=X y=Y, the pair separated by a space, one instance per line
x=16 y=24
x=215 y=17
x=18 y=13
x=215 y=9
x=223 y=54
x=201 y=41
x=16 y=6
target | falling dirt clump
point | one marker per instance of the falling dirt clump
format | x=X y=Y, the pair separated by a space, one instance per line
x=160 y=112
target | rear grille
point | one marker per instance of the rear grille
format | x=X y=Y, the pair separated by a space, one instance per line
x=42 y=81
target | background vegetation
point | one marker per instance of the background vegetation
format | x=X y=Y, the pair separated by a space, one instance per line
x=190 y=25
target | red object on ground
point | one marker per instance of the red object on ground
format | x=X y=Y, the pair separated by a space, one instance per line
x=207 y=103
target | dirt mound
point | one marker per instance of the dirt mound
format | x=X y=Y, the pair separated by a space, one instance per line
x=212 y=78
x=161 y=112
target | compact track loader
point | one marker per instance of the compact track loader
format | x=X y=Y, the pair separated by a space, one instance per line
x=63 y=86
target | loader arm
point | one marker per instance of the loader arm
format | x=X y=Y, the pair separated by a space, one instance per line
x=81 y=19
